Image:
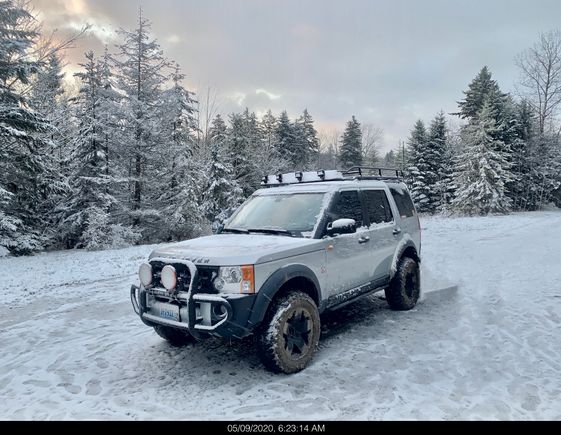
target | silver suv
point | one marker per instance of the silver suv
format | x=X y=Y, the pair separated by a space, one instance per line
x=305 y=243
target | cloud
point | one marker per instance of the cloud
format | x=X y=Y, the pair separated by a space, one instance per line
x=268 y=94
x=388 y=63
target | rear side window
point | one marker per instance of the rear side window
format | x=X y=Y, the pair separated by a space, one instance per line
x=403 y=201
x=377 y=206
x=348 y=206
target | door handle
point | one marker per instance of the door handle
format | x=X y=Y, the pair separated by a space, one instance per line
x=363 y=240
x=397 y=232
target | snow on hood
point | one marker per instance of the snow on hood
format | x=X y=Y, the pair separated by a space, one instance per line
x=238 y=249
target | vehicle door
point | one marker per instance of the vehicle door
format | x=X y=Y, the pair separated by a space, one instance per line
x=348 y=255
x=408 y=224
x=382 y=230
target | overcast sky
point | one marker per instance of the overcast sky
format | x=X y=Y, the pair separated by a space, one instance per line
x=386 y=62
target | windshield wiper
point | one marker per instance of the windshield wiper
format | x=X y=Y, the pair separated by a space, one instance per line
x=235 y=230
x=275 y=231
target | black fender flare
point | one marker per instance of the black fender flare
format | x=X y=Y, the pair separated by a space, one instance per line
x=406 y=244
x=273 y=285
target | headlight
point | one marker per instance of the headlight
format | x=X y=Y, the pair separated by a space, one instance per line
x=238 y=279
x=169 y=278
x=145 y=274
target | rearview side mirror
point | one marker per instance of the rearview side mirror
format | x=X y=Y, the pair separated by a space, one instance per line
x=341 y=226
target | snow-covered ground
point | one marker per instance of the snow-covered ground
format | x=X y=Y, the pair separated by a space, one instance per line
x=483 y=344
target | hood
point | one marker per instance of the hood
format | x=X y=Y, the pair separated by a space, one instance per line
x=238 y=249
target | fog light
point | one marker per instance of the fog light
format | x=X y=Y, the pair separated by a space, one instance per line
x=145 y=274
x=220 y=311
x=169 y=278
x=219 y=284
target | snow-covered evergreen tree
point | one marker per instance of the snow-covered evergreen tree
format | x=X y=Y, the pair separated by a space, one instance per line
x=222 y=194
x=267 y=156
x=307 y=137
x=181 y=175
x=86 y=221
x=483 y=170
x=437 y=182
x=419 y=172
x=239 y=154
x=269 y=131
x=142 y=71
x=477 y=94
x=351 y=145
x=447 y=188
x=48 y=99
x=47 y=87
x=485 y=91
x=26 y=175
x=286 y=142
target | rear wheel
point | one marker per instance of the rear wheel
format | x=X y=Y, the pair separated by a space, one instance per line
x=175 y=337
x=405 y=287
x=289 y=337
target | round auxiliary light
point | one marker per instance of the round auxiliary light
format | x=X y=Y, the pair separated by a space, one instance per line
x=145 y=274
x=169 y=278
x=219 y=284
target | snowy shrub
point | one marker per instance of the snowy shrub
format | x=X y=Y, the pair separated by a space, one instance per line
x=101 y=234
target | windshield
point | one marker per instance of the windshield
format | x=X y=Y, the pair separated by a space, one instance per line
x=296 y=214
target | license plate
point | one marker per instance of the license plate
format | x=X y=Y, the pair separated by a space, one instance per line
x=166 y=311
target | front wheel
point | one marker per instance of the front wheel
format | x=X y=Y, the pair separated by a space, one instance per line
x=405 y=287
x=175 y=337
x=289 y=337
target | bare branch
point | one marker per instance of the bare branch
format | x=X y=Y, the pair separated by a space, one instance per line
x=540 y=68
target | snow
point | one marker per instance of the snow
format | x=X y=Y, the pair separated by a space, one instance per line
x=482 y=344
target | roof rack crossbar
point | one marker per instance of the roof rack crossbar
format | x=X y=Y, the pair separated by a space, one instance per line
x=354 y=173
x=371 y=171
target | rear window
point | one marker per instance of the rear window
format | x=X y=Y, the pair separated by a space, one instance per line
x=378 y=206
x=403 y=201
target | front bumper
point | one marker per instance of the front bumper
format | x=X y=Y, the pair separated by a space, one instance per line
x=198 y=314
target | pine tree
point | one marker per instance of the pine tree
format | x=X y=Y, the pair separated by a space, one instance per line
x=47 y=87
x=435 y=157
x=269 y=130
x=390 y=160
x=477 y=93
x=222 y=194
x=401 y=158
x=483 y=170
x=447 y=187
x=419 y=171
x=286 y=142
x=48 y=99
x=86 y=219
x=267 y=156
x=141 y=72
x=484 y=91
x=181 y=176
x=239 y=153
x=25 y=172
x=524 y=164
x=351 y=147
x=309 y=142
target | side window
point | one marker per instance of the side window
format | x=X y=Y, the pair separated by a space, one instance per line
x=378 y=206
x=348 y=206
x=403 y=201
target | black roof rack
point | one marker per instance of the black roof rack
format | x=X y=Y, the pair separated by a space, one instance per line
x=355 y=173
x=374 y=173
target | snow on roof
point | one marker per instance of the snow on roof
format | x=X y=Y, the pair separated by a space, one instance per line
x=320 y=187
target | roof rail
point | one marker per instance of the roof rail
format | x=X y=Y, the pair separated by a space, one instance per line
x=355 y=173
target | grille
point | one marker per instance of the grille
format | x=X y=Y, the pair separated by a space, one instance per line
x=206 y=276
